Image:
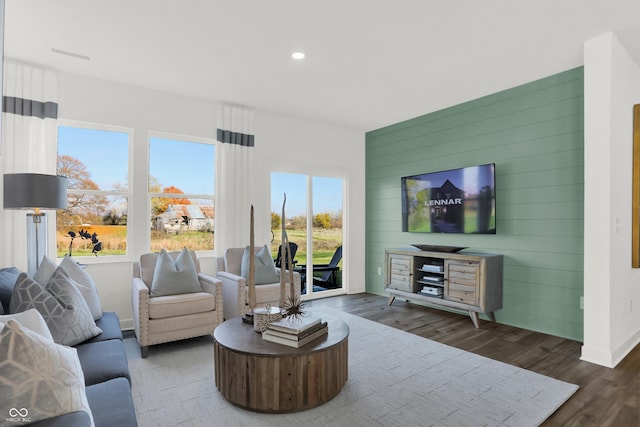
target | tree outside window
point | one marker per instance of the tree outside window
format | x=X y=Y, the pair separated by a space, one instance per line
x=96 y=161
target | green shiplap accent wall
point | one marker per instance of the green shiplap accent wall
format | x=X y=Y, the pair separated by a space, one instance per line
x=534 y=135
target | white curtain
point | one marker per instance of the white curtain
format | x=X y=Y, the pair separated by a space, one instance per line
x=29 y=144
x=235 y=192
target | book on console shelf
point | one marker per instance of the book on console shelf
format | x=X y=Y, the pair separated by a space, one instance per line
x=295 y=324
x=296 y=341
x=432 y=291
x=426 y=294
x=432 y=268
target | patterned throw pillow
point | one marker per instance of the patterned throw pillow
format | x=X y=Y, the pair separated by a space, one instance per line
x=39 y=379
x=46 y=268
x=85 y=284
x=60 y=303
x=83 y=281
x=175 y=277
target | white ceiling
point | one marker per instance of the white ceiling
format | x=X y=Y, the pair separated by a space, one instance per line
x=370 y=63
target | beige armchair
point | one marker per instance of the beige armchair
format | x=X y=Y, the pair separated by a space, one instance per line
x=235 y=290
x=173 y=317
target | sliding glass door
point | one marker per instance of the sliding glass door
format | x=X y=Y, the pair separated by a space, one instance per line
x=314 y=225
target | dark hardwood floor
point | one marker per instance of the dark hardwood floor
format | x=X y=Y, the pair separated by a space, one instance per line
x=607 y=397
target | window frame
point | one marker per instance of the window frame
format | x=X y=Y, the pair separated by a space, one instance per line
x=108 y=193
x=309 y=174
x=150 y=195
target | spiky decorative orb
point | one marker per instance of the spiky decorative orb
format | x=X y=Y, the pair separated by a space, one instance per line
x=293 y=307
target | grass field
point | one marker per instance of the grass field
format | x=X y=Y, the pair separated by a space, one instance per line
x=325 y=242
x=113 y=238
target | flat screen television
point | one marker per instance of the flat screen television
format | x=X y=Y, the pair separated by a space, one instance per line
x=451 y=201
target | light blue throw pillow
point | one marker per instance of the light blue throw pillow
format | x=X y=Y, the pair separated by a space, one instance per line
x=174 y=277
x=265 y=272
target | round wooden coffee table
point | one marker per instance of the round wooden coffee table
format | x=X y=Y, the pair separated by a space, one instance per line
x=267 y=377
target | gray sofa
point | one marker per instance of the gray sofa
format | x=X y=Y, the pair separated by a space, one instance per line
x=104 y=365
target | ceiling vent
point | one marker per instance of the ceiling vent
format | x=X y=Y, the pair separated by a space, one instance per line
x=71 y=54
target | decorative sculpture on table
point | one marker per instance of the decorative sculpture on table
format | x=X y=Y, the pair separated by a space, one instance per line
x=252 y=272
x=290 y=306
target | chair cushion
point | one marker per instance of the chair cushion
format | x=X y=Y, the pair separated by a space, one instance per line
x=265 y=269
x=102 y=361
x=76 y=419
x=179 y=305
x=40 y=375
x=112 y=403
x=110 y=325
x=60 y=303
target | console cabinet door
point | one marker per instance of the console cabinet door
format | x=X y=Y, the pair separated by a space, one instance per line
x=400 y=272
x=462 y=281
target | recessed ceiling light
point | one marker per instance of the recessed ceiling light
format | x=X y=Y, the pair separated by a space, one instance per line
x=298 y=55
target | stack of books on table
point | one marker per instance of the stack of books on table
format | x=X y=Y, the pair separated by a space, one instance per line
x=296 y=331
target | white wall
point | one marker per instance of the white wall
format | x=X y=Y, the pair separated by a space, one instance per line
x=611 y=286
x=301 y=146
x=286 y=143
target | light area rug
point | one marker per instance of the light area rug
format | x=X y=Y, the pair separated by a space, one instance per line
x=395 y=379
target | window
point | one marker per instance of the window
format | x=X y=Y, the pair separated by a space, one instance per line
x=181 y=193
x=96 y=161
x=322 y=230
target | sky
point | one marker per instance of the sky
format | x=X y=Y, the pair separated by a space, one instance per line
x=327 y=194
x=187 y=166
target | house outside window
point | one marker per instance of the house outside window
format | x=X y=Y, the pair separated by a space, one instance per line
x=181 y=193
x=95 y=158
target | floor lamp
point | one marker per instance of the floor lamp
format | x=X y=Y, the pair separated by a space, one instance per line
x=34 y=191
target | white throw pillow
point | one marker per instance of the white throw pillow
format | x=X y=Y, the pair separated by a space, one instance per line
x=175 y=277
x=60 y=303
x=39 y=378
x=30 y=319
x=85 y=285
x=45 y=270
